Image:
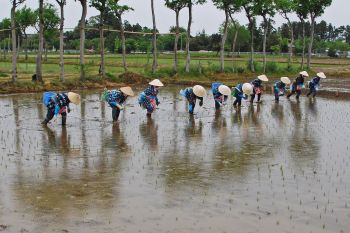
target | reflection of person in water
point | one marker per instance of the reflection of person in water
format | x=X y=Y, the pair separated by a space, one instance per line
x=277 y=111
x=63 y=145
x=118 y=138
x=149 y=132
x=296 y=111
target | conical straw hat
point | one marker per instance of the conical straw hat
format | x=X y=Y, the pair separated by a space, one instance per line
x=156 y=83
x=224 y=90
x=321 y=75
x=263 y=77
x=247 y=88
x=285 y=80
x=199 y=91
x=304 y=73
x=127 y=91
x=74 y=98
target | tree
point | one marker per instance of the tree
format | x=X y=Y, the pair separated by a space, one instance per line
x=61 y=3
x=15 y=4
x=119 y=10
x=285 y=7
x=102 y=7
x=5 y=25
x=51 y=21
x=82 y=23
x=25 y=18
x=316 y=9
x=154 y=39
x=302 y=14
x=248 y=6
x=229 y=7
x=176 y=6
x=41 y=42
x=266 y=9
x=189 y=4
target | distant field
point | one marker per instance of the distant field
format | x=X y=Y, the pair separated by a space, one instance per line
x=141 y=64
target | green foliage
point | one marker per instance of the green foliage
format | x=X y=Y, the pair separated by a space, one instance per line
x=25 y=18
x=271 y=67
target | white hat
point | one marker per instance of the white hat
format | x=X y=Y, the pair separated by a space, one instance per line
x=285 y=80
x=199 y=91
x=247 y=88
x=224 y=90
x=74 y=98
x=127 y=91
x=263 y=77
x=321 y=75
x=156 y=83
x=304 y=73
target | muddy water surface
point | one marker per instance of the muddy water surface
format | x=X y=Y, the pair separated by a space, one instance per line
x=267 y=168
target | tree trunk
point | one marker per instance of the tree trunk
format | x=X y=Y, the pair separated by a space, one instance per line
x=311 y=41
x=61 y=43
x=41 y=43
x=14 y=44
x=291 y=42
x=122 y=34
x=177 y=12
x=303 y=53
x=234 y=46
x=223 y=41
x=82 y=39
x=188 y=55
x=251 y=60
x=264 y=42
x=18 y=45
x=102 y=46
x=154 y=41
x=26 y=45
x=45 y=50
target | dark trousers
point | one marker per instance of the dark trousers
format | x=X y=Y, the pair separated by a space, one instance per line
x=312 y=91
x=51 y=113
x=277 y=96
x=217 y=105
x=253 y=97
x=238 y=102
x=115 y=113
x=293 y=92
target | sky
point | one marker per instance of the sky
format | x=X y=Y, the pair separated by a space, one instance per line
x=204 y=17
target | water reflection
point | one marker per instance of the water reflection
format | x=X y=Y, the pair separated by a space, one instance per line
x=135 y=172
x=149 y=133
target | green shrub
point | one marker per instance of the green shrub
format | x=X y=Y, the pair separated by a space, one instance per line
x=271 y=67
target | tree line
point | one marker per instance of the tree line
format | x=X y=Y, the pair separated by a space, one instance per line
x=109 y=27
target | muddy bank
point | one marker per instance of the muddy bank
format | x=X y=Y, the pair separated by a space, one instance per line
x=266 y=168
x=333 y=86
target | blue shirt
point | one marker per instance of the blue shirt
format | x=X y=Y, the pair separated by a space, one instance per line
x=115 y=97
x=61 y=100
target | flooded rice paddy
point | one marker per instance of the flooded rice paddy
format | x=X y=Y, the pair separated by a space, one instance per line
x=267 y=168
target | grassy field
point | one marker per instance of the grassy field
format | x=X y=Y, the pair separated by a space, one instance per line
x=204 y=69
